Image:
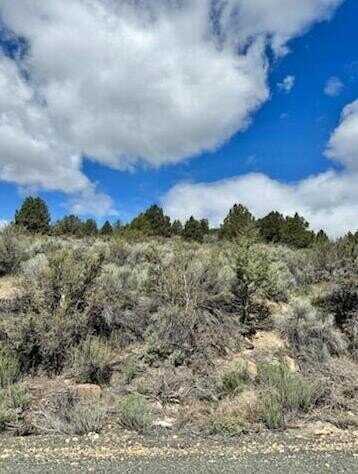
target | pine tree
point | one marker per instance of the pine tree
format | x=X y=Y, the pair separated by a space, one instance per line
x=238 y=223
x=107 y=228
x=271 y=227
x=194 y=230
x=177 y=228
x=89 y=228
x=295 y=232
x=205 y=226
x=322 y=238
x=68 y=225
x=153 y=222
x=34 y=215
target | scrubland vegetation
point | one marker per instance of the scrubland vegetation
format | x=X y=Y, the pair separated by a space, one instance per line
x=250 y=327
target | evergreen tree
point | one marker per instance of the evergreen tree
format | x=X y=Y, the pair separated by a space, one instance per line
x=194 y=230
x=89 y=228
x=205 y=226
x=271 y=227
x=322 y=238
x=238 y=223
x=34 y=215
x=153 y=222
x=177 y=228
x=68 y=225
x=107 y=228
x=295 y=232
x=117 y=226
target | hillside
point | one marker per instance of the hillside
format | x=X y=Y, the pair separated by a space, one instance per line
x=217 y=339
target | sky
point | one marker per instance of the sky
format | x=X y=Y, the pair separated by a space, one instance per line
x=108 y=106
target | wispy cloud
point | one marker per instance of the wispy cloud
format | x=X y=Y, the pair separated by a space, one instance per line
x=334 y=86
x=287 y=84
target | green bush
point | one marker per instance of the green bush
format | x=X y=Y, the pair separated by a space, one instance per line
x=9 y=368
x=235 y=379
x=312 y=336
x=341 y=300
x=5 y=417
x=54 y=318
x=272 y=413
x=17 y=396
x=257 y=278
x=11 y=252
x=91 y=362
x=134 y=413
x=131 y=368
x=67 y=414
x=284 y=392
x=230 y=424
x=33 y=215
x=14 y=399
x=195 y=277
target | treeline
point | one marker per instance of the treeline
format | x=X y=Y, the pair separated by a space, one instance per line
x=294 y=231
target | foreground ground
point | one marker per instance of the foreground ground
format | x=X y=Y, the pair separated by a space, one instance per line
x=276 y=453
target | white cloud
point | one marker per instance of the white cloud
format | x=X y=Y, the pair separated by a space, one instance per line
x=155 y=88
x=31 y=153
x=343 y=145
x=158 y=80
x=275 y=19
x=334 y=86
x=287 y=84
x=92 y=202
x=128 y=81
x=328 y=200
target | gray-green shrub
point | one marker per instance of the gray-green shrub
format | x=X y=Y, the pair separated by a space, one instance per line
x=14 y=399
x=235 y=379
x=284 y=392
x=11 y=251
x=92 y=362
x=67 y=414
x=134 y=413
x=9 y=367
x=312 y=335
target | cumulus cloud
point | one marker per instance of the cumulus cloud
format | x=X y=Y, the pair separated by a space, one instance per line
x=159 y=80
x=277 y=20
x=334 y=86
x=287 y=84
x=31 y=153
x=343 y=145
x=328 y=200
x=126 y=82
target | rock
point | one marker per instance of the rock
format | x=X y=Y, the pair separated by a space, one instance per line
x=290 y=363
x=251 y=369
x=320 y=428
x=167 y=423
x=87 y=390
x=268 y=342
x=248 y=345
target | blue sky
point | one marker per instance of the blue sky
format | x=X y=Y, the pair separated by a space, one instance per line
x=284 y=144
